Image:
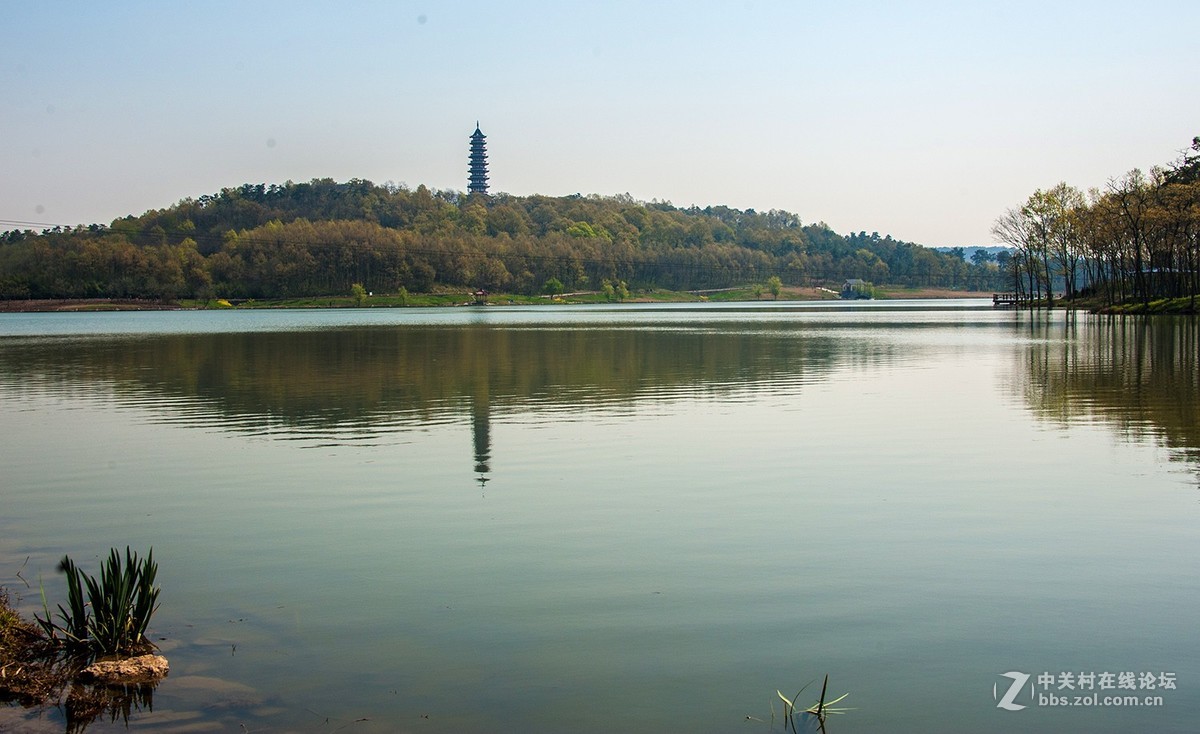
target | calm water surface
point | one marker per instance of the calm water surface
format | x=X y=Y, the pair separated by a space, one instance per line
x=636 y=519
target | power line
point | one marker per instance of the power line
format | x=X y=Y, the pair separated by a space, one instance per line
x=44 y=225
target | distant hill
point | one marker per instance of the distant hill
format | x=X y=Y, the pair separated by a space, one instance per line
x=969 y=252
x=322 y=237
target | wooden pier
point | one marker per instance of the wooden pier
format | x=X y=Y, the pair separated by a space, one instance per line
x=1010 y=300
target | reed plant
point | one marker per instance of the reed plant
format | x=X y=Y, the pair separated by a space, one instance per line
x=818 y=711
x=109 y=615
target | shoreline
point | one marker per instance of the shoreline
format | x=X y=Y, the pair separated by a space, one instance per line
x=431 y=300
x=51 y=305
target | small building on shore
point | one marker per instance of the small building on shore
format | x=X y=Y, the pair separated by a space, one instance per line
x=857 y=288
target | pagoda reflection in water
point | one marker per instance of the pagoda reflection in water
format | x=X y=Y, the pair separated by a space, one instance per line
x=481 y=433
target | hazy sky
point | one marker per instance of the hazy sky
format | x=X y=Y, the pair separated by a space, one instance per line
x=923 y=120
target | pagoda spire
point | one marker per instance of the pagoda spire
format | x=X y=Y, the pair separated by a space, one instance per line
x=478 y=179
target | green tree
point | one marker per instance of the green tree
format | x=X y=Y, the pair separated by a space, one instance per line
x=981 y=257
x=359 y=293
x=775 y=285
x=492 y=274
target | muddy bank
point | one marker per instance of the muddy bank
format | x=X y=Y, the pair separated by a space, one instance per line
x=86 y=304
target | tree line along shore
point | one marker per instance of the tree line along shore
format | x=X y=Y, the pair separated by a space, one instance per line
x=1130 y=247
x=320 y=238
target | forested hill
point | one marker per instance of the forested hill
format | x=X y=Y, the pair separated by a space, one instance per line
x=321 y=237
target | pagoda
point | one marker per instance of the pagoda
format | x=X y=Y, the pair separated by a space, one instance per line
x=478 y=170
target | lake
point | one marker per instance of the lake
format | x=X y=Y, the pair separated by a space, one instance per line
x=636 y=518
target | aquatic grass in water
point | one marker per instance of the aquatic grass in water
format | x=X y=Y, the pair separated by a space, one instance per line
x=818 y=710
x=114 y=618
x=41 y=668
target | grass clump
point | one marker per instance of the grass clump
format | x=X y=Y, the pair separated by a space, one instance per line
x=106 y=616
